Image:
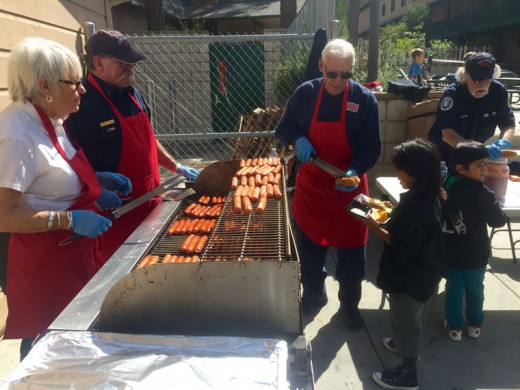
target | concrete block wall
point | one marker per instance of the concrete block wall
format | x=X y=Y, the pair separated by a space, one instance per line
x=394 y=111
x=393 y=120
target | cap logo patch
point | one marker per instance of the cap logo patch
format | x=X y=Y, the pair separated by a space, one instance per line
x=484 y=63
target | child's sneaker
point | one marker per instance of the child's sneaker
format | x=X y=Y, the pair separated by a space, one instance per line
x=388 y=343
x=453 y=334
x=397 y=378
x=474 y=332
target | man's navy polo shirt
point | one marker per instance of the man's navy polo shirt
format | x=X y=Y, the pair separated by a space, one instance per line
x=95 y=126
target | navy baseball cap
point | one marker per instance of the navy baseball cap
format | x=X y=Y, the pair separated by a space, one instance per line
x=113 y=44
x=481 y=66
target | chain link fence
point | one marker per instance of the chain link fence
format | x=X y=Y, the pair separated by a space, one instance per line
x=215 y=97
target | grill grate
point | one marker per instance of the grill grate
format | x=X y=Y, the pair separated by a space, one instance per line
x=237 y=237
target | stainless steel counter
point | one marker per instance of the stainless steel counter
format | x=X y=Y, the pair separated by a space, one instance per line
x=82 y=312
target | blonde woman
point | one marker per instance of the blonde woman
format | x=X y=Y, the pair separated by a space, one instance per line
x=47 y=189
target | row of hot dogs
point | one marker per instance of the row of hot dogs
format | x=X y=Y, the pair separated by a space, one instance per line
x=196 y=231
x=168 y=258
x=190 y=226
x=256 y=181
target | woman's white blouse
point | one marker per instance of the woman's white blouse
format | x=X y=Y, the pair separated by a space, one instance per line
x=30 y=163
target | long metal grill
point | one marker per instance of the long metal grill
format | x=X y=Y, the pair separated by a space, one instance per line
x=236 y=237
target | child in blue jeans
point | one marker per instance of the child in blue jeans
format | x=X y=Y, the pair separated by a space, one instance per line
x=469 y=209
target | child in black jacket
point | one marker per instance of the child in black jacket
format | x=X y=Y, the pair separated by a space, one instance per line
x=413 y=257
x=468 y=210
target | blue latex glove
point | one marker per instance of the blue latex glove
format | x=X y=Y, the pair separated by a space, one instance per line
x=304 y=149
x=502 y=143
x=349 y=173
x=88 y=223
x=114 y=182
x=108 y=200
x=188 y=172
x=494 y=152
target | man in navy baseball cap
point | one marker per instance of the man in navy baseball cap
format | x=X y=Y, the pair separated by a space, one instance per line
x=480 y=66
x=472 y=108
x=114 y=129
x=112 y=44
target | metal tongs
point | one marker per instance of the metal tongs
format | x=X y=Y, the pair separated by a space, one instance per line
x=327 y=167
x=160 y=189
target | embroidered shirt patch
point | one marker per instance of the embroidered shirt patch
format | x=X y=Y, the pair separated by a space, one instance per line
x=446 y=103
x=352 y=107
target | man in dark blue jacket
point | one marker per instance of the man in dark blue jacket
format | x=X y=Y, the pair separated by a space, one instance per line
x=472 y=108
x=335 y=119
x=113 y=127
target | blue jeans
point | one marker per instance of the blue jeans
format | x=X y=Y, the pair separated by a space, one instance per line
x=460 y=282
x=350 y=270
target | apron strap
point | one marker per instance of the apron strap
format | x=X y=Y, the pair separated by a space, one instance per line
x=51 y=131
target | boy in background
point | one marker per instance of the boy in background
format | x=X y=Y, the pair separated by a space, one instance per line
x=415 y=73
x=469 y=209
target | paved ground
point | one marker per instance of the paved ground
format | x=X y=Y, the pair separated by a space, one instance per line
x=345 y=359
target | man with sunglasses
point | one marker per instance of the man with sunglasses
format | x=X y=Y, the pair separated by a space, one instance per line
x=113 y=127
x=334 y=119
x=472 y=108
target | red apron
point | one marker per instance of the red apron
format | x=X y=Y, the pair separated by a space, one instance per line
x=42 y=276
x=139 y=162
x=319 y=208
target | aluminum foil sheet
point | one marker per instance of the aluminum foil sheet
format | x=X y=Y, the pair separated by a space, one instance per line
x=97 y=360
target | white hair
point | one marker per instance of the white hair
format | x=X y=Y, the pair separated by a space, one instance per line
x=339 y=48
x=35 y=59
x=460 y=73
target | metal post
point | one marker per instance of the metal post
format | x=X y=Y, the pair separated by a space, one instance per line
x=373 y=40
x=173 y=105
x=152 y=101
x=332 y=22
x=353 y=21
x=89 y=29
x=334 y=29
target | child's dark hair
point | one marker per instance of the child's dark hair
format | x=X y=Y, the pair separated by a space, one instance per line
x=416 y=53
x=420 y=160
x=467 y=152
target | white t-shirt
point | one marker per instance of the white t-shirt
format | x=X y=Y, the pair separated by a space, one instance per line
x=30 y=163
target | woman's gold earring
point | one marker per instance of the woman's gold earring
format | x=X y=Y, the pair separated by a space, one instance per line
x=49 y=99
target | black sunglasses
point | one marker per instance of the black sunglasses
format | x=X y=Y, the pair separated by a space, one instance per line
x=75 y=83
x=345 y=75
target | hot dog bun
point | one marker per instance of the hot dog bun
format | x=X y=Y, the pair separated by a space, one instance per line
x=508 y=153
x=348 y=181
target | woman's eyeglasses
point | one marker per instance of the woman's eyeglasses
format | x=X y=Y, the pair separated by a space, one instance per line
x=76 y=84
x=345 y=75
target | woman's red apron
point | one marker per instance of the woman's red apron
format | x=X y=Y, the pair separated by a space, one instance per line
x=139 y=163
x=42 y=276
x=319 y=208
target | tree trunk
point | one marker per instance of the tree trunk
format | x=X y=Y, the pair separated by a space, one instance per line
x=287 y=12
x=154 y=15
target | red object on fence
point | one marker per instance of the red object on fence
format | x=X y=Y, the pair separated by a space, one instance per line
x=222 y=80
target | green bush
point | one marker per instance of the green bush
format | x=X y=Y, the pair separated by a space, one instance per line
x=290 y=74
